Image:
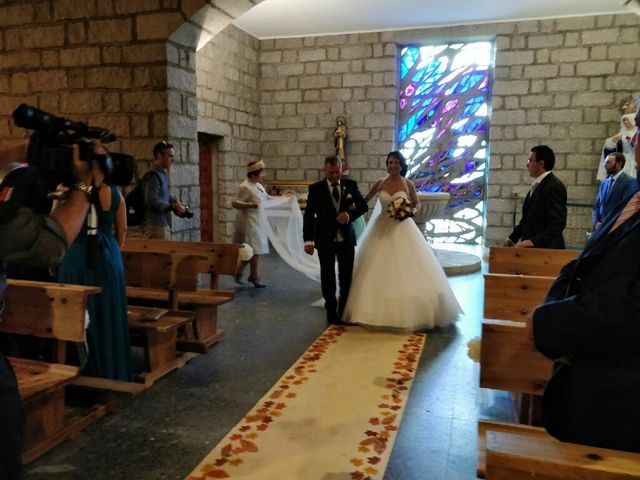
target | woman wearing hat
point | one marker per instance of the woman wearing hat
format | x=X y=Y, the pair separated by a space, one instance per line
x=248 y=228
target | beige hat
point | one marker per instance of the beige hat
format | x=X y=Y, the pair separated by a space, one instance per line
x=254 y=167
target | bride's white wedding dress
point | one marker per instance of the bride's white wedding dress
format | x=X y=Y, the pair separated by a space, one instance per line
x=397 y=280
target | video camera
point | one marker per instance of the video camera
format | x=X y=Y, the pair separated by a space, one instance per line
x=50 y=149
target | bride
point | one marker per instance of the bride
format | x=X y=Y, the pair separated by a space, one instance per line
x=397 y=280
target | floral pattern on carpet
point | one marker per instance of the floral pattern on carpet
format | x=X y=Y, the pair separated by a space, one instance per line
x=243 y=441
x=386 y=424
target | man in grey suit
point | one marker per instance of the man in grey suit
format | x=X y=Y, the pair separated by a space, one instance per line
x=616 y=187
x=544 y=211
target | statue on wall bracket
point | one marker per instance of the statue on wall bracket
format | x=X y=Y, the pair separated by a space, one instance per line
x=339 y=141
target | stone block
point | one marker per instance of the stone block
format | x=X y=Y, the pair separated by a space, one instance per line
x=273 y=84
x=595 y=68
x=571 y=39
x=622 y=51
x=288 y=70
x=567 y=85
x=508 y=146
x=79 y=57
x=334 y=67
x=379 y=120
x=49 y=80
x=569 y=55
x=294 y=96
x=311 y=136
x=533 y=101
x=313 y=55
x=28 y=59
x=157 y=26
x=542 y=55
x=587 y=131
x=545 y=40
x=527 y=26
x=109 y=77
x=361 y=51
x=541 y=71
x=592 y=99
x=17 y=14
x=508 y=117
x=270 y=57
x=66 y=9
x=111 y=55
x=525 y=57
x=80 y=102
x=533 y=131
x=621 y=82
x=387 y=64
x=145 y=101
x=341 y=94
x=373 y=93
x=19 y=83
x=314 y=82
x=626 y=67
x=514 y=87
x=43 y=37
x=516 y=72
x=313 y=108
x=600 y=36
x=566 y=115
x=357 y=80
x=630 y=35
x=110 y=31
x=575 y=23
x=567 y=70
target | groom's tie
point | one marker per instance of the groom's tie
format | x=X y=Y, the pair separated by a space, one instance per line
x=335 y=192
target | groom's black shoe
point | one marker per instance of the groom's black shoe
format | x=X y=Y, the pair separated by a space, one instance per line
x=334 y=319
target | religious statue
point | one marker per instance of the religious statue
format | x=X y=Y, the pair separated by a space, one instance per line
x=620 y=142
x=340 y=137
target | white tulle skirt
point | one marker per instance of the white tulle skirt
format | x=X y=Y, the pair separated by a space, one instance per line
x=397 y=280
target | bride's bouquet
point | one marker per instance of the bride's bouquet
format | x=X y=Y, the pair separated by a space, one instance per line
x=400 y=209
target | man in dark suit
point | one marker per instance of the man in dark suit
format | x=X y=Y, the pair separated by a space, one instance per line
x=544 y=212
x=332 y=206
x=590 y=324
x=613 y=189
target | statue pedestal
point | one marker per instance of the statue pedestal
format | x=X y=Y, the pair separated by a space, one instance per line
x=453 y=262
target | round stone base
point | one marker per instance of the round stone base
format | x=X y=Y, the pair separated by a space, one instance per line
x=457 y=263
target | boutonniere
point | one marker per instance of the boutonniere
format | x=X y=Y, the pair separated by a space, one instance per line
x=349 y=196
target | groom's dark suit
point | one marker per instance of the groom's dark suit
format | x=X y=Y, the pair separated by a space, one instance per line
x=544 y=215
x=591 y=316
x=332 y=239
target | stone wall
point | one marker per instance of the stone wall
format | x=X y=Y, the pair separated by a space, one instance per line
x=557 y=82
x=228 y=107
x=128 y=66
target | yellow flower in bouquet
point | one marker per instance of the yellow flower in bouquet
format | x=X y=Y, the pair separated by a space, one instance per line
x=400 y=209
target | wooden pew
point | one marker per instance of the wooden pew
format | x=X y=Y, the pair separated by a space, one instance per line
x=508 y=360
x=518 y=451
x=166 y=272
x=57 y=312
x=158 y=337
x=543 y=262
x=513 y=297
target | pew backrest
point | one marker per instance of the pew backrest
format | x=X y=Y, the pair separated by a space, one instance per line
x=213 y=258
x=529 y=261
x=509 y=361
x=513 y=297
x=46 y=310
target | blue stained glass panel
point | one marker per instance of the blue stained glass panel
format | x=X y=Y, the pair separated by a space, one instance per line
x=443 y=131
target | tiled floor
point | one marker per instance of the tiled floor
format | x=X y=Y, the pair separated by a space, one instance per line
x=164 y=432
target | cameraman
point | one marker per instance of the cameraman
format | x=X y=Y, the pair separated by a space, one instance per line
x=157 y=199
x=39 y=240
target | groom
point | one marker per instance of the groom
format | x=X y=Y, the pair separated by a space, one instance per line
x=332 y=206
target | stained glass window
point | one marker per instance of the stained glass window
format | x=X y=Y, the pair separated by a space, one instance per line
x=443 y=131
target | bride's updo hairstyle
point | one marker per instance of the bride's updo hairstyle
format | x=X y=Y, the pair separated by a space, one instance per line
x=403 y=163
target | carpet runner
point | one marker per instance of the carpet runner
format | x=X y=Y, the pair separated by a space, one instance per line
x=333 y=415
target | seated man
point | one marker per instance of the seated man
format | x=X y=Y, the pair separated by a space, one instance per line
x=590 y=324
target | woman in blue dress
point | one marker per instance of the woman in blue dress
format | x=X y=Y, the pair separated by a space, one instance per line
x=108 y=331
